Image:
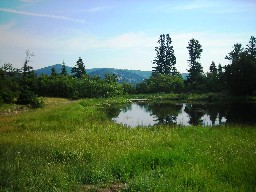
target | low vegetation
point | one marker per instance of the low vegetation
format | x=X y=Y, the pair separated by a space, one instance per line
x=74 y=146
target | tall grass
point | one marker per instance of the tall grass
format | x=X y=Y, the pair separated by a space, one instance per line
x=74 y=146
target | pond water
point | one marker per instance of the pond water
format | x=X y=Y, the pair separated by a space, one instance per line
x=148 y=114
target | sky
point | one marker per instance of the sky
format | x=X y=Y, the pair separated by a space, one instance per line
x=121 y=34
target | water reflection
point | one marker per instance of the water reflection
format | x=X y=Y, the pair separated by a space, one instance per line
x=148 y=114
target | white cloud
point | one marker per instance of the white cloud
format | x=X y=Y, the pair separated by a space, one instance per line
x=41 y=15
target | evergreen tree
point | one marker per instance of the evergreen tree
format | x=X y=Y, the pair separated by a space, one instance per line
x=195 y=77
x=240 y=73
x=241 y=76
x=63 y=69
x=234 y=55
x=213 y=68
x=251 y=47
x=53 y=73
x=165 y=59
x=212 y=78
x=79 y=70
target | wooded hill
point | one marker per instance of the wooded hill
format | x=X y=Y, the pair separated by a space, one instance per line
x=124 y=75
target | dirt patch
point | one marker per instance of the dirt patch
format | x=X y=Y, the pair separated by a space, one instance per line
x=15 y=109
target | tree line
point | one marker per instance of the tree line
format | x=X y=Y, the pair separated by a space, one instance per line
x=22 y=86
x=236 y=78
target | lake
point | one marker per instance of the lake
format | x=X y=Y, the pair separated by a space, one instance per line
x=186 y=114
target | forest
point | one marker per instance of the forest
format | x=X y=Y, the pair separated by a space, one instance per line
x=23 y=86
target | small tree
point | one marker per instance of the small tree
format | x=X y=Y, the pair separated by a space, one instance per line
x=53 y=73
x=27 y=85
x=212 y=78
x=63 y=69
x=79 y=70
x=27 y=70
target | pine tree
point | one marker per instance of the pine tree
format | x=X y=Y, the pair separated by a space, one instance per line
x=212 y=78
x=63 y=69
x=79 y=70
x=234 y=55
x=196 y=70
x=165 y=59
x=53 y=73
x=251 y=47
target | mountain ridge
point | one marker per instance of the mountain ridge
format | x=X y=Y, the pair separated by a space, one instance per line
x=123 y=75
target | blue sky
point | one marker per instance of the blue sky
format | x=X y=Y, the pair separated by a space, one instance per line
x=120 y=33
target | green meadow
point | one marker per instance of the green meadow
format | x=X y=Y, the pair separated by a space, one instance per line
x=74 y=146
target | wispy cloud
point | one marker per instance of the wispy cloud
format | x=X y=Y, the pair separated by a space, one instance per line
x=96 y=9
x=41 y=15
x=30 y=1
x=198 y=4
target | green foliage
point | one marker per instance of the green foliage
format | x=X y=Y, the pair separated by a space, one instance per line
x=36 y=102
x=161 y=83
x=214 y=79
x=240 y=73
x=241 y=76
x=234 y=55
x=9 y=83
x=128 y=88
x=27 y=97
x=76 y=88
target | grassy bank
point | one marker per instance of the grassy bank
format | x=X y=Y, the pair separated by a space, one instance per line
x=74 y=146
x=194 y=97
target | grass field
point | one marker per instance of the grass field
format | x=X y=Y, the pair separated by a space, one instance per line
x=74 y=146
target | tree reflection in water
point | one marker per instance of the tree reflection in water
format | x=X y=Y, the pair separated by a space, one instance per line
x=185 y=114
x=166 y=113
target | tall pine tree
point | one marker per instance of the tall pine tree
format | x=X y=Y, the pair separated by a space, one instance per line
x=165 y=59
x=195 y=77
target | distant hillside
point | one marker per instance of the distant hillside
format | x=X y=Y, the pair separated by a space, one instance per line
x=124 y=75
x=47 y=70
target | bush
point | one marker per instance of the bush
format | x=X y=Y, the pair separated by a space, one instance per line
x=36 y=102
x=28 y=97
x=1 y=101
x=161 y=83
